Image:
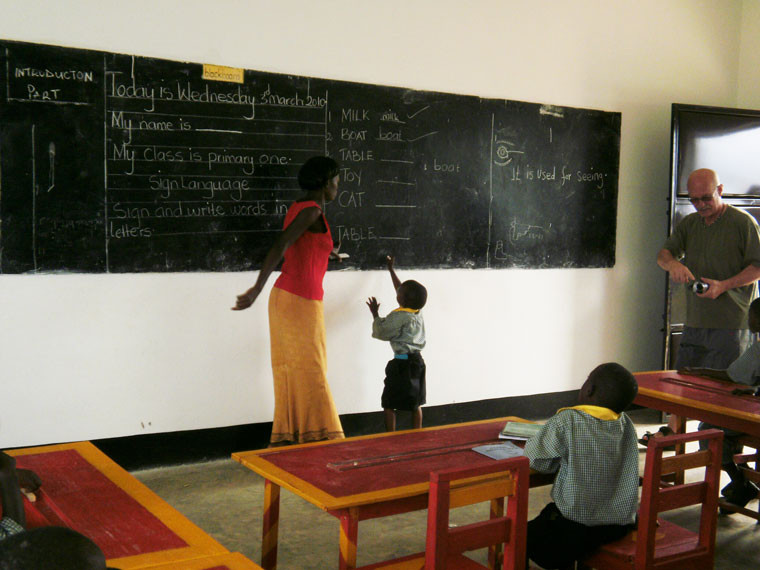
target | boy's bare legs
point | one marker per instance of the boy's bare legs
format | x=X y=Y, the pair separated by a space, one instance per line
x=390 y=419
x=417 y=418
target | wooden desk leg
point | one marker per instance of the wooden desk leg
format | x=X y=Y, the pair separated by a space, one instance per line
x=678 y=425
x=349 y=534
x=495 y=554
x=271 y=524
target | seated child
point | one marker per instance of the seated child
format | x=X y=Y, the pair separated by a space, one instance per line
x=592 y=447
x=12 y=481
x=405 y=329
x=743 y=370
x=44 y=548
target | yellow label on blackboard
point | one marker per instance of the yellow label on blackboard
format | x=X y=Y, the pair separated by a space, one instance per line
x=222 y=73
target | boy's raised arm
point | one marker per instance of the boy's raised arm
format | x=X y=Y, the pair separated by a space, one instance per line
x=396 y=281
x=374 y=307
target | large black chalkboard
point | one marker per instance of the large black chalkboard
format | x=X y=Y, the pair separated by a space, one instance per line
x=117 y=163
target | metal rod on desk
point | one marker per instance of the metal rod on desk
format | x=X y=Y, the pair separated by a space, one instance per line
x=696 y=385
x=360 y=462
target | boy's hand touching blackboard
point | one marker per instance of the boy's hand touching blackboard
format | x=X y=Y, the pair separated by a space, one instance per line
x=390 y=261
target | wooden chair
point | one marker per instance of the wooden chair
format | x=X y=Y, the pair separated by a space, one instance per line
x=752 y=474
x=451 y=488
x=658 y=543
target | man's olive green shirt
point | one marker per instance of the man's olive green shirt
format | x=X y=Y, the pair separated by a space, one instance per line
x=718 y=251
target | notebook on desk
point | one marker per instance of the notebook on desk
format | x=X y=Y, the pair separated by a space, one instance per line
x=503 y=450
x=519 y=431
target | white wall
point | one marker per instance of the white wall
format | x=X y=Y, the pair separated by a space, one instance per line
x=91 y=356
x=748 y=96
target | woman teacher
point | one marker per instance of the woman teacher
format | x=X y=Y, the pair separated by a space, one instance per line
x=303 y=406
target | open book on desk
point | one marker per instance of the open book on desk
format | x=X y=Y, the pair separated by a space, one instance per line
x=503 y=450
x=519 y=431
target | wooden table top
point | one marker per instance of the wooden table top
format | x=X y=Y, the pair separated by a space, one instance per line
x=84 y=489
x=370 y=469
x=700 y=398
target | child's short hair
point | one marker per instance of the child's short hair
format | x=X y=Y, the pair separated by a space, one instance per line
x=415 y=294
x=615 y=386
x=317 y=172
x=51 y=548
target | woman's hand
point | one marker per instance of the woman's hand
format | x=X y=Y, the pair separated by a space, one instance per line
x=246 y=299
x=336 y=255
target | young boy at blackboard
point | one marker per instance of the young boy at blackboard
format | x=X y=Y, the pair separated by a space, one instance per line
x=405 y=329
x=593 y=449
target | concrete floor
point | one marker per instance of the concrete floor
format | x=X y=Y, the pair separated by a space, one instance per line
x=226 y=500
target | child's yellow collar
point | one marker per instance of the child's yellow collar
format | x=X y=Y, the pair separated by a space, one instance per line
x=596 y=411
x=406 y=310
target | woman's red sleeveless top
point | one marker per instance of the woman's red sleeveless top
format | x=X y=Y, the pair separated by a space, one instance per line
x=305 y=260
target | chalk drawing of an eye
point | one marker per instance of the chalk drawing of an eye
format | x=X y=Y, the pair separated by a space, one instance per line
x=504 y=152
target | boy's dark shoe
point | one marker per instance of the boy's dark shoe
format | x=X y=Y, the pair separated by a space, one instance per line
x=728 y=489
x=740 y=495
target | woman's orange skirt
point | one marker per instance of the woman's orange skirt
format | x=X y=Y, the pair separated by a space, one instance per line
x=303 y=406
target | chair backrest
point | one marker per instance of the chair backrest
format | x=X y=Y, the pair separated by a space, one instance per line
x=743 y=460
x=656 y=498
x=452 y=488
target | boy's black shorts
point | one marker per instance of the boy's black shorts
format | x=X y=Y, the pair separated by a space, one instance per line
x=404 y=383
x=556 y=542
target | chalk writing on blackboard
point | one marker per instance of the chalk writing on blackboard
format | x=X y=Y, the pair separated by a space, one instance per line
x=117 y=163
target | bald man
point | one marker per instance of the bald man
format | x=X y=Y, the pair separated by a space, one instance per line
x=720 y=245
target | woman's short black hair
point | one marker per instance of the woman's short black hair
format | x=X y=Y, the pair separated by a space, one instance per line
x=317 y=172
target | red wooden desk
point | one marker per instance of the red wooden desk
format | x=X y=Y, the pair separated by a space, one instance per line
x=365 y=477
x=134 y=527
x=229 y=561
x=699 y=398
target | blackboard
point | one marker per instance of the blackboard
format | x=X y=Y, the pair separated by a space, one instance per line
x=117 y=163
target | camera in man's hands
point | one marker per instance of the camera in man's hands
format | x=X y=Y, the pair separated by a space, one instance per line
x=699 y=286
